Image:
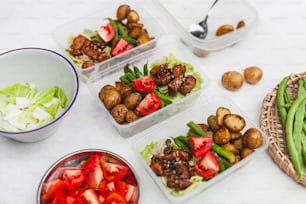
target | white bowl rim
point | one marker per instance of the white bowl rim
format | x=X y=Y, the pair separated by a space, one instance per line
x=66 y=109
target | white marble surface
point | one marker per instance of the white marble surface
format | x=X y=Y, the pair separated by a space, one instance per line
x=277 y=44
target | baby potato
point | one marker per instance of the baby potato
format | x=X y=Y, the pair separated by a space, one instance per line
x=252 y=138
x=234 y=122
x=132 y=100
x=119 y=113
x=222 y=136
x=110 y=96
x=226 y=28
x=230 y=147
x=212 y=122
x=232 y=80
x=252 y=75
x=123 y=11
x=246 y=152
x=220 y=113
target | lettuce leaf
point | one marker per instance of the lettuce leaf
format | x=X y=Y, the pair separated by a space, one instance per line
x=22 y=107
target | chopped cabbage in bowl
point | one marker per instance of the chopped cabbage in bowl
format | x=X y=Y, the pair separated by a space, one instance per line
x=23 y=107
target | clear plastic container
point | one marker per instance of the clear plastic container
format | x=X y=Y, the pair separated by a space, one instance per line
x=167 y=46
x=225 y=12
x=177 y=125
x=95 y=20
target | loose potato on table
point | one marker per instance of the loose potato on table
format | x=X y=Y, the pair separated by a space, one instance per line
x=232 y=80
x=252 y=75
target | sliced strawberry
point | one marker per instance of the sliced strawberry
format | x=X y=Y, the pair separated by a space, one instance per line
x=199 y=145
x=106 y=187
x=93 y=171
x=106 y=32
x=90 y=197
x=208 y=166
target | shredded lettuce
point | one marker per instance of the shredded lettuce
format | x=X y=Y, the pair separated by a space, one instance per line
x=22 y=107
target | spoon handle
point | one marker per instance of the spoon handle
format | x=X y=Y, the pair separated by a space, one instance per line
x=211 y=8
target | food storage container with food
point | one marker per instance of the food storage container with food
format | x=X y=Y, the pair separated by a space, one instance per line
x=91 y=23
x=90 y=176
x=225 y=12
x=152 y=141
x=32 y=105
x=167 y=46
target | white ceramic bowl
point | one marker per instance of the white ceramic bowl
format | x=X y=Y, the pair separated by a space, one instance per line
x=45 y=68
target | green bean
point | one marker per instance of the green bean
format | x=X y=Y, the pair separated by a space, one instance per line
x=294 y=155
x=126 y=81
x=165 y=98
x=281 y=100
x=182 y=142
x=145 y=70
x=130 y=76
x=137 y=72
x=216 y=148
x=127 y=69
x=304 y=148
x=298 y=121
x=121 y=30
x=196 y=129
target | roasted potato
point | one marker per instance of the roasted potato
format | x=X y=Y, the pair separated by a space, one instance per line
x=212 y=122
x=235 y=135
x=110 y=96
x=234 y=122
x=220 y=113
x=119 y=113
x=222 y=136
x=131 y=116
x=230 y=147
x=123 y=89
x=123 y=11
x=246 y=152
x=238 y=143
x=132 y=100
x=252 y=138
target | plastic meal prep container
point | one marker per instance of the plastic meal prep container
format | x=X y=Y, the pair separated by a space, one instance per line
x=224 y=12
x=95 y=20
x=177 y=125
x=167 y=46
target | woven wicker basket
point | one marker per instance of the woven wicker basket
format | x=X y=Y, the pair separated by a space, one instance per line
x=270 y=123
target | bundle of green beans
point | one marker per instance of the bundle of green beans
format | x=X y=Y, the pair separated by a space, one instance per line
x=293 y=116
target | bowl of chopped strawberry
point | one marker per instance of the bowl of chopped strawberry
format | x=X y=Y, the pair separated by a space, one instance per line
x=89 y=176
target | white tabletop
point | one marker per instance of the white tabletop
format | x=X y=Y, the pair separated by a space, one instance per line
x=277 y=44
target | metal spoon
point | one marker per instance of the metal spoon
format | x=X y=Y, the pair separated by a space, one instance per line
x=200 y=29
